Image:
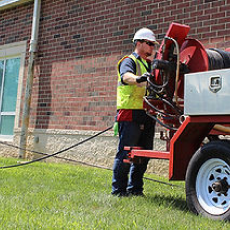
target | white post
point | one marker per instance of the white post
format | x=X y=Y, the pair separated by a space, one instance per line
x=30 y=77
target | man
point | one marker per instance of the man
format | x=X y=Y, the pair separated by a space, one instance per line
x=134 y=126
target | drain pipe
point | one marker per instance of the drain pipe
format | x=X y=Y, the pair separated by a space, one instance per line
x=30 y=76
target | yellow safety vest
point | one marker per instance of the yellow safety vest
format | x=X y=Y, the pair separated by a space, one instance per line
x=131 y=96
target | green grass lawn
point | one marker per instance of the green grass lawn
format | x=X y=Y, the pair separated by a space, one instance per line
x=65 y=196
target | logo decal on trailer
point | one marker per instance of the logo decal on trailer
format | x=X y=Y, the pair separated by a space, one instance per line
x=215 y=83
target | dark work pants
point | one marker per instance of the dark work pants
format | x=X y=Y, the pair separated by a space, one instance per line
x=132 y=134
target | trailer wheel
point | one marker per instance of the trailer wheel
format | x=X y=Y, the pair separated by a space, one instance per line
x=208 y=181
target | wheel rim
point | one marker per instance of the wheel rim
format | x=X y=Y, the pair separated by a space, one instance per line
x=213 y=186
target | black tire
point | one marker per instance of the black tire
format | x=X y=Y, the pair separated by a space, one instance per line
x=208 y=181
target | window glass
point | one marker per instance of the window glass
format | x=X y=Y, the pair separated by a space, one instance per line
x=10 y=85
x=9 y=71
x=7 y=125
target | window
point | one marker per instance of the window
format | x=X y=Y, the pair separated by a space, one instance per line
x=12 y=61
x=9 y=71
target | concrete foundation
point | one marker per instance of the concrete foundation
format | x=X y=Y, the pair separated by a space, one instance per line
x=99 y=151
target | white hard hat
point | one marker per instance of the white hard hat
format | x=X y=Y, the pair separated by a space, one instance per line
x=145 y=33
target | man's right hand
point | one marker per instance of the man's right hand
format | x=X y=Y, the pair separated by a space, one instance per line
x=143 y=77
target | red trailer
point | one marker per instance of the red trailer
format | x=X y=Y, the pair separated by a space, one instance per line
x=189 y=96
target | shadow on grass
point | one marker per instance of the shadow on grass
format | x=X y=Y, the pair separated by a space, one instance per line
x=169 y=201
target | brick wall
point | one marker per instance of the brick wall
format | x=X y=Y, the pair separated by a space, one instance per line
x=15 y=24
x=80 y=43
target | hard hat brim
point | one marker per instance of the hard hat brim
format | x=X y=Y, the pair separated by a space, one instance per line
x=155 y=42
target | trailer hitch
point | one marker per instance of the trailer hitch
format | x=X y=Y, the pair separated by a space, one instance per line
x=132 y=158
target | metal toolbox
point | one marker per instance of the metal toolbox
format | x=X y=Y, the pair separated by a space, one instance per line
x=207 y=93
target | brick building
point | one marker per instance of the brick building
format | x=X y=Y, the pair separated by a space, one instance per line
x=79 y=44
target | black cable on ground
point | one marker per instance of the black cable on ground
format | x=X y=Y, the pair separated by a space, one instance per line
x=72 y=160
x=54 y=154
x=165 y=183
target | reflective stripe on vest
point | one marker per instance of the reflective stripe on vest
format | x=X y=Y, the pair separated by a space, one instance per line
x=131 y=96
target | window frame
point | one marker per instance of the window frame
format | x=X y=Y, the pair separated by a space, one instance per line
x=5 y=4
x=15 y=50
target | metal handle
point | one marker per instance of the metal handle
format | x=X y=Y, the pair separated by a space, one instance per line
x=215 y=83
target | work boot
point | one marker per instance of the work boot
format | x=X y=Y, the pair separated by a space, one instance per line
x=134 y=193
x=119 y=194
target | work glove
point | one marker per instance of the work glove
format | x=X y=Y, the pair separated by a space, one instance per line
x=143 y=77
x=164 y=65
x=160 y=64
x=115 y=128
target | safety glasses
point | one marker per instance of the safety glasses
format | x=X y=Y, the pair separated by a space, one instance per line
x=149 y=43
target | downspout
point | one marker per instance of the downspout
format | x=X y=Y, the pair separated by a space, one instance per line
x=30 y=77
